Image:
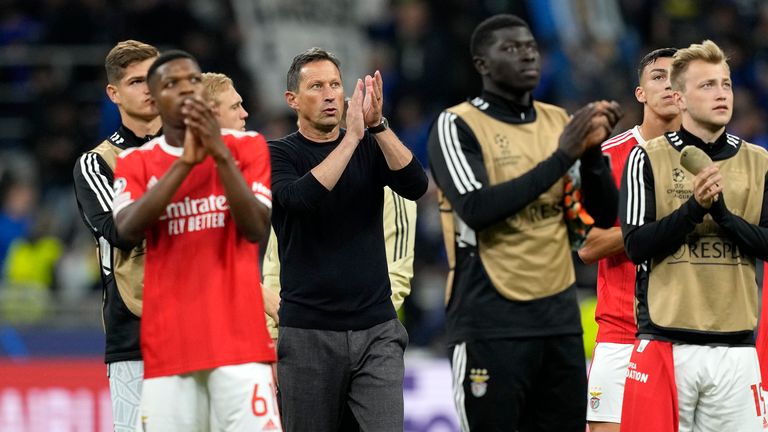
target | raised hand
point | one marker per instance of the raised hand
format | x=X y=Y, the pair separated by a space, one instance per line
x=707 y=185
x=193 y=152
x=201 y=121
x=575 y=132
x=354 y=115
x=374 y=99
x=588 y=127
x=608 y=114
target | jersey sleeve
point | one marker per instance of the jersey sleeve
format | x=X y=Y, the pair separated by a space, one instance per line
x=130 y=180
x=256 y=168
x=599 y=191
x=410 y=181
x=93 y=180
x=399 y=238
x=751 y=238
x=456 y=161
x=615 y=157
x=295 y=192
x=644 y=236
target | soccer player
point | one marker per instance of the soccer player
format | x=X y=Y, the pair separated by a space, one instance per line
x=761 y=341
x=694 y=238
x=122 y=267
x=338 y=328
x=201 y=198
x=512 y=316
x=227 y=102
x=615 y=312
x=219 y=90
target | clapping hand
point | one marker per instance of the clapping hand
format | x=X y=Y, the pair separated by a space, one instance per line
x=707 y=185
x=374 y=99
x=202 y=123
x=354 y=116
x=588 y=127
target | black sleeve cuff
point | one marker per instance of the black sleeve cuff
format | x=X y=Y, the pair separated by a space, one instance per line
x=410 y=181
x=593 y=160
x=718 y=210
x=694 y=211
x=563 y=160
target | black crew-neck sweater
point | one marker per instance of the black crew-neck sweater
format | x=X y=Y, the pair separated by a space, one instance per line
x=333 y=269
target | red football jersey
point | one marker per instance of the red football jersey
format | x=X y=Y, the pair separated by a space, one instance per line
x=615 y=313
x=202 y=297
x=762 y=331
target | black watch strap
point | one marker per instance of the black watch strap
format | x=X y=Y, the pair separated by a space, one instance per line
x=381 y=127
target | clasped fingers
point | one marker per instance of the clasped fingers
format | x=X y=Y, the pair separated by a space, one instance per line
x=707 y=185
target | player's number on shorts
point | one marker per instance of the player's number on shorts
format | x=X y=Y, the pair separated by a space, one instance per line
x=259 y=404
x=757 y=393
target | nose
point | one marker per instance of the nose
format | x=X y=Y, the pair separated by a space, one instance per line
x=328 y=93
x=528 y=54
x=722 y=92
x=243 y=113
x=185 y=87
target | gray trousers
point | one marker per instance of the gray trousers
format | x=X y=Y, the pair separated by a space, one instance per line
x=321 y=372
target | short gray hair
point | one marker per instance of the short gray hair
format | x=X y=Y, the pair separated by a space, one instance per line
x=308 y=56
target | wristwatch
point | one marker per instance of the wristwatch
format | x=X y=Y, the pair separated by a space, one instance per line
x=381 y=127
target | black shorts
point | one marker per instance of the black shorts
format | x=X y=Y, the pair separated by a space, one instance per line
x=526 y=384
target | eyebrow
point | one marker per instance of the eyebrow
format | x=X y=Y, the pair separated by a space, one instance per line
x=179 y=76
x=662 y=70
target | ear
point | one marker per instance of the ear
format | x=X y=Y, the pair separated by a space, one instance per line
x=679 y=100
x=113 y=94
x=216 y=109
x=640 y=94
x=480 y=65
x=290 y=99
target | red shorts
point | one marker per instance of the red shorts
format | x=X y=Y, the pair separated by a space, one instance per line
x=650 y=392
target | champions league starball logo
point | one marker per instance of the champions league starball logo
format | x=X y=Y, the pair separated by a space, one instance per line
x=503 y=142
x=678 y=176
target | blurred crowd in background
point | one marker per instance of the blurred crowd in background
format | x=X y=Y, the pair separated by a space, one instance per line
x=53 y=106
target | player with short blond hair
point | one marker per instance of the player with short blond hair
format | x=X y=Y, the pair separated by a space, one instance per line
x=694 y=238
x=227 y=102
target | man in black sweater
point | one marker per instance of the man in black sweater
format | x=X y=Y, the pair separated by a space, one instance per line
x=340 y=341
x=512 y=317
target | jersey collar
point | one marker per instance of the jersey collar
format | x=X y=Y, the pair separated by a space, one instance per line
x=125 y=138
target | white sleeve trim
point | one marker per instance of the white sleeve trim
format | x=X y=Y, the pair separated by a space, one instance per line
x=635 y=188
x=461 y=173
x=97 y=181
